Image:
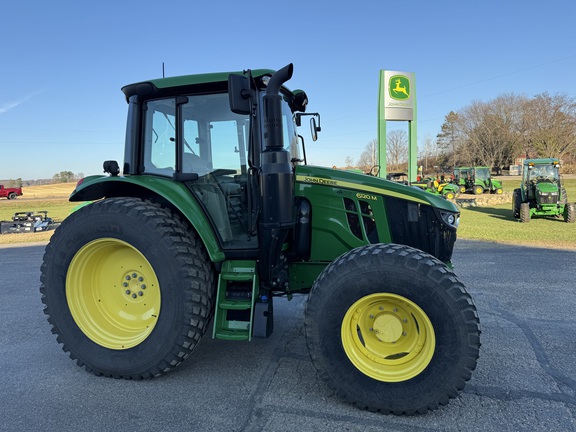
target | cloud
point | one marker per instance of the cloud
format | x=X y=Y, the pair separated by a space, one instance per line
x=7 y=106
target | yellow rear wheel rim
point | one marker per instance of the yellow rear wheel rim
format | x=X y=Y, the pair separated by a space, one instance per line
x=388 y=337
x=113 y=293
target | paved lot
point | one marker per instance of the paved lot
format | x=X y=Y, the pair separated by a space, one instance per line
x=525 y=380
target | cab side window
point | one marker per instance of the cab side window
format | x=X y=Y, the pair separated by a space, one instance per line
x=160 y=137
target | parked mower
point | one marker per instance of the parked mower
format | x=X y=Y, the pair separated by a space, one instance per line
x=27 y=222
x=541 y=192
x=480 y=181
x=437 y=187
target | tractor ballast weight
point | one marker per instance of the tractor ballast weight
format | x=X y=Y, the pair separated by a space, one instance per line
x=215 y=214
x=541 y=192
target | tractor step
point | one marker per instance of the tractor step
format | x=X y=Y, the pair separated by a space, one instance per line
x=237 y=292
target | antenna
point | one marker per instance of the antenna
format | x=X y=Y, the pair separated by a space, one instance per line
x=163 y=76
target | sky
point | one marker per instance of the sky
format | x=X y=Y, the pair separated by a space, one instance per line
x=62 y=64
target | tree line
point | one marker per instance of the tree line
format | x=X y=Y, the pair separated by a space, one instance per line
x=61 y=177
x=497 y=132
x=493 y=133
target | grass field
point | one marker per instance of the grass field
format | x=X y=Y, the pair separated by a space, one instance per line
x=494 y=224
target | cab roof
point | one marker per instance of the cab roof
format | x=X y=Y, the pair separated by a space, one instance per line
x=545 y=161
x=178 y=84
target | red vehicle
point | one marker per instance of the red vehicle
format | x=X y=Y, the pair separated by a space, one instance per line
x=10 y=193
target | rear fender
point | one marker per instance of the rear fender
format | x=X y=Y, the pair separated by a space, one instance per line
x=167 y=192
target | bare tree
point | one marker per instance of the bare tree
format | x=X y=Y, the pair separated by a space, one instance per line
x=396 y=148
x=349 y=162
x=430 y=150
x=552 y=120
x=491 y=131
x=369 y=156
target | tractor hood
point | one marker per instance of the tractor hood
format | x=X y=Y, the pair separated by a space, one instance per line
x=351 y=209
x=369 y=184
x=547 y=187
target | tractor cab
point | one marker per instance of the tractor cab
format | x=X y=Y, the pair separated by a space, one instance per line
x=548 y=173
x=461 y=176
x=541 y=182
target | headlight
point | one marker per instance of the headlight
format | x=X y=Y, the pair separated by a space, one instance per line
x=451 y=219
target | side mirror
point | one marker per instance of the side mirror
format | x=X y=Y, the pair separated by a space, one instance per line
x=314 y=129
x=239 y=94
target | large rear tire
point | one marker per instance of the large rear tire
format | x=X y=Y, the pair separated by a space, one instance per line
x=127 y=288
x=391 y=328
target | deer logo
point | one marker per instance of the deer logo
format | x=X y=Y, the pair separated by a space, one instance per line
x=399 y=87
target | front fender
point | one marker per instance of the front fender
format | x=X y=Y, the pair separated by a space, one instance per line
x=169 y=193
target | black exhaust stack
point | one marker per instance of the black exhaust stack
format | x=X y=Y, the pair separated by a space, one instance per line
x=276 y=182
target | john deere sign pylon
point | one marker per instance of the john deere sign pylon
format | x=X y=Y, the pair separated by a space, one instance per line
x=397 y=102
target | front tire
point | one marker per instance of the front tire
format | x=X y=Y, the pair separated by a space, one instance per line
x=525 y=212
x=570 y=213
x=127 y=288
x=391 y=328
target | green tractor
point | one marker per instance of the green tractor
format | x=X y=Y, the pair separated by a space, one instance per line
x=437 y=187
x=216 y=214
x=541 y=192
x=461 y=175
x=480 y=181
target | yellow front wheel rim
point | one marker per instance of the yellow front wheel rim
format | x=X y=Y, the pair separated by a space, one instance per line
x=113 y=293
x=388 y=337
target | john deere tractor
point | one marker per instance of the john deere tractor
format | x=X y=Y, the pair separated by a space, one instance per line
x=480 y=181
x=214 y=214
x=541 y=192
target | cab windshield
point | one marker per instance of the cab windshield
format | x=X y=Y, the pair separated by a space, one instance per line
x=543 y=173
